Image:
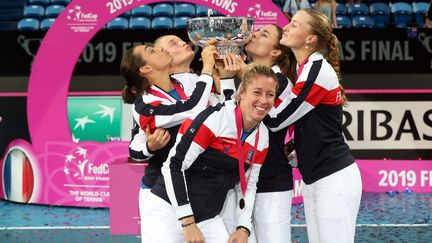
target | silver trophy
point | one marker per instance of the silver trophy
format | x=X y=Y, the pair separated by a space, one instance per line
x=230 y=33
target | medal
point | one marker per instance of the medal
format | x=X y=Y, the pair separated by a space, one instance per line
x=242 y=203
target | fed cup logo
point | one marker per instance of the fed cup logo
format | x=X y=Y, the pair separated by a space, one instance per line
x=257 y=12
x=74 y=13
x=75 y=163
x=78 y=167
x=254 y=12
x=81 y=21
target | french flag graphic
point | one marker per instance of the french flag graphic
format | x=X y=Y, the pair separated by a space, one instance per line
x=18 y=177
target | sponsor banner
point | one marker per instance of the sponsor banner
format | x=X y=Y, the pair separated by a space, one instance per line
x=361 y=50
x=389 y=125
x=95 y=118
x=65 y=173
x=396 y=175
x=380 y=51
x=77 y=174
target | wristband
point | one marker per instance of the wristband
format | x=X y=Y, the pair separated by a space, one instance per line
x=207 y=73
x=242 y=228
x=188 y=224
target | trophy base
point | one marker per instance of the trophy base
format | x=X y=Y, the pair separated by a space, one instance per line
x=224 y=50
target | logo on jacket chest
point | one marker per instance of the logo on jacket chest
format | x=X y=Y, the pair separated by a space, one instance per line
x=249 y=155
x=226 y=145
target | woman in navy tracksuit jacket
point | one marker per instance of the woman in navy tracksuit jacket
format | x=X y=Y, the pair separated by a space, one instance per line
x=204 y=165
x=331 y=183
x=275 y=186
x=163 y=103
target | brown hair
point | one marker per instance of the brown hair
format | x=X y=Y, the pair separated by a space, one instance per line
x=252 y=71
x=327 y=43
x=286 y=60
x=136 y=84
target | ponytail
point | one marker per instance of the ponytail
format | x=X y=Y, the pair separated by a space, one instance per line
x=333 y=54
x=129 y=95
x=327 y=44
x=333 y=59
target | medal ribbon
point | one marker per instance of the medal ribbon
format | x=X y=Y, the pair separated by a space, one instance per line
x=177 y=87
x=290 y=132
x=240 y=153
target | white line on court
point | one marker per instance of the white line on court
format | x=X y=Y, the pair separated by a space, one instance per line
x=53 y=227
x=107 y=227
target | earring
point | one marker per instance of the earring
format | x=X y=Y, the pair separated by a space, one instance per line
x=307 y=47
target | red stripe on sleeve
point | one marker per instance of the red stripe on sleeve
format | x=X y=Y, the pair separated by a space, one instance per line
x=185 y=126
x=316 y=95
x=334 y=97
x=147 y=121
x=277 y=102
x=298 y=87
x=204 y=136
x=150 y=121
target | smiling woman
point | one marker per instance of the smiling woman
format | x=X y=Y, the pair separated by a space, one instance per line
x=275 y=186
x=256 y=95
x=209 y=158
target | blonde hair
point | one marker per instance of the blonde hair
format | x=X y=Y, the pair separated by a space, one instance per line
x=253 y=71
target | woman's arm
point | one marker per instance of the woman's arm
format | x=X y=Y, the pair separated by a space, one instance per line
x=151 y=112
x=304 y=97
x=142 y=146
x=231 y=66
x=192 y=140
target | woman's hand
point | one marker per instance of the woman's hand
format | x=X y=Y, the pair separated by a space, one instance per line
x=239 y=236
x=238 y=64
x=191 y=232
x=208 y=59
x=230 y=66
x=157 y=140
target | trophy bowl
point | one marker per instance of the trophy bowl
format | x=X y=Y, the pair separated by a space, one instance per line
x=230 y=33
